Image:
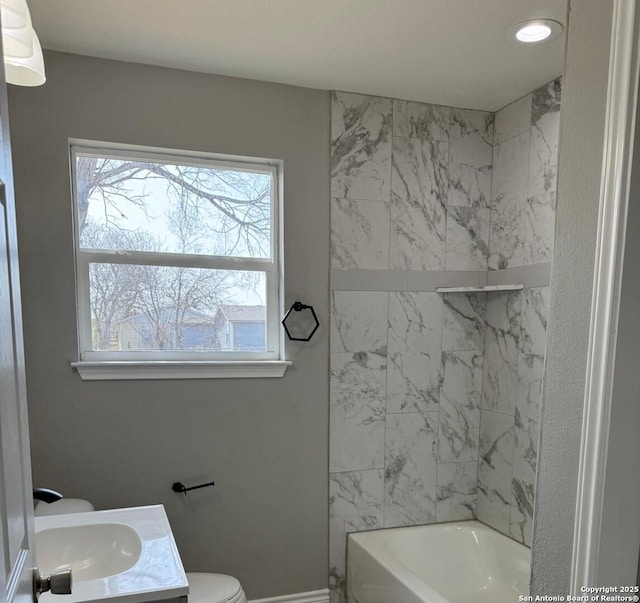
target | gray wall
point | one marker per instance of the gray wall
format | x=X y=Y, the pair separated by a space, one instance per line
x=580 y=163
x=264 y=441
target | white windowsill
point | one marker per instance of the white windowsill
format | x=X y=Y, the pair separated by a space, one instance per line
x=177 y=369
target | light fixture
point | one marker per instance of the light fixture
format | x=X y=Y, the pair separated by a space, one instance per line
x=17 y=42
x=23 y=62
x=16 y=28
x=15 y=14
x=26 y=71
x=536 y=31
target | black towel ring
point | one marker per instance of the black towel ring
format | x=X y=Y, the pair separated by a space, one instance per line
x=299 y=307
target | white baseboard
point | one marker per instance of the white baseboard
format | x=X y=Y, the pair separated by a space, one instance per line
x=316 y=596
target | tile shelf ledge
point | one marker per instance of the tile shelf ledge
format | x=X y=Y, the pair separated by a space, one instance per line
x=483 y=289
x=113 y=370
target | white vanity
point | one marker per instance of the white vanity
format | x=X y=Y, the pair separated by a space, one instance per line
x=122 y=555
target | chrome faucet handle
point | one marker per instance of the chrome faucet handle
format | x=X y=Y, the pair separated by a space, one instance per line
x=58 y=583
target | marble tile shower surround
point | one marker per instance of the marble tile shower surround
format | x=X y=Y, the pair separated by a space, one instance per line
x=435 y=399
x=515 y=343
x=523 y=190
x=399 y=169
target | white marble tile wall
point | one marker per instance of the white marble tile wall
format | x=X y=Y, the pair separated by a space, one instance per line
x=418 y=204
x=522 y=231
x=470 y=158
x=360 y=147
x=405 y=415
x=435 y=399
x=414 y=347
x=355 y=504
x=358 y=411
x=459 y=418
x=410 y=469
x=543 y=173
x=523 y=188
x=410 y=185
x=359 y=234
x=411 y=190
x=515 y=341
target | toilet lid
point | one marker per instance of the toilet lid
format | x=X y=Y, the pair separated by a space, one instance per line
x=63 y=506
x=213 y=588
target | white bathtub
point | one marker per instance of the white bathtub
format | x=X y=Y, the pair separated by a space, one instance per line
x=461 y=562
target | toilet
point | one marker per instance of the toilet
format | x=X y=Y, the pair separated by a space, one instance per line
x=214 y=588
x=203 y=587
x=62 y=507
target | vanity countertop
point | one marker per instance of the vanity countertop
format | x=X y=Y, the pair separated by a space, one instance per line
x=153 y=572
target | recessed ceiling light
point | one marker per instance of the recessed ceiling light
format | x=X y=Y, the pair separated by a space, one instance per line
x=536 y=31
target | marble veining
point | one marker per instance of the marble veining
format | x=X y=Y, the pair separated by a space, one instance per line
x=360 y=146
x=495 y=470
x=420 y=120
x=525 y=452
x=459 y=418
x=457 y=491
x=527 y=413
x=533 y=320
x=500 y=386
x=359 y=321
x=464 y=321
x=467 y=243
x=410 y=469
x=543 y=168
x=546 y=100
x=521 y=521
x=355 y=504
x=358 y=401
x=359 y=234
x=530 y=376
x=415 y=343
x=532 y=344
x=470 y=158
x=509 y=202
x=418 y=204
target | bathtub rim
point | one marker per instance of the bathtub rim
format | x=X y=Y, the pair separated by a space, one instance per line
x=399 y=570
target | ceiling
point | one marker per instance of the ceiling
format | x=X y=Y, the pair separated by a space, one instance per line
x=451 y=52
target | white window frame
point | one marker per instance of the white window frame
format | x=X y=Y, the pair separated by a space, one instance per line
x=160 y=364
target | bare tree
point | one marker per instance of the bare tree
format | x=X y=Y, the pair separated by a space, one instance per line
x=154 y=300
x=241 y=200
x=113 y=287
x=167 y=295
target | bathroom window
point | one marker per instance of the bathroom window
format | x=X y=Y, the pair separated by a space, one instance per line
x=177 y=256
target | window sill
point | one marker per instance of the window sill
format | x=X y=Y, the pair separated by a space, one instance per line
x=128 y=370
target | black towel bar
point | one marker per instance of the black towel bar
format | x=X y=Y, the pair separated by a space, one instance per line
x=179 y=487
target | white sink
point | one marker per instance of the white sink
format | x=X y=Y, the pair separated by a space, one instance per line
x=122 y=555
x=91 y=551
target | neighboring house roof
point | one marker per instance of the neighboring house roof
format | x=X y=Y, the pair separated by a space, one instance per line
x=232 y=313
x=193 y=316
x=236 y=313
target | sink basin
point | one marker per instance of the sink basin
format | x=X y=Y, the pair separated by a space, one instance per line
x=116 y=556
x=91 y=551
